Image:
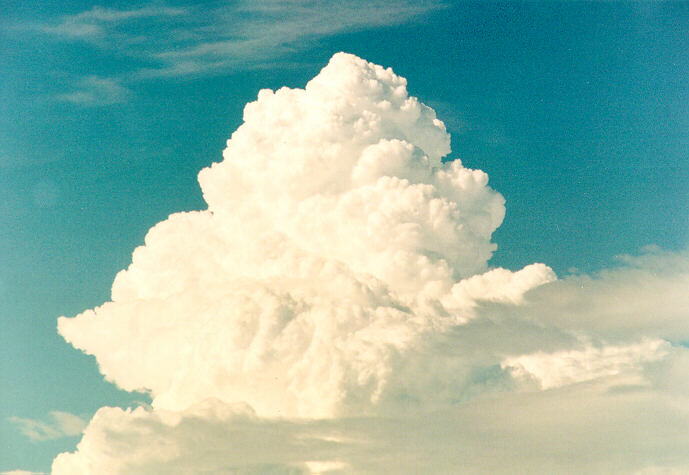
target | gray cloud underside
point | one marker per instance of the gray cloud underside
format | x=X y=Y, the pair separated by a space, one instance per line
x=588 y=428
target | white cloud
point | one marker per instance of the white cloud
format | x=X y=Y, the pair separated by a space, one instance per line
x=207 y=37
x=333 y=310
x=332 y=242
x=585 y=428
x=572 y=366
x=203 y=38
x=99 y=21
x=644 y=296
x=63 y=424
x=502 y=285
x=96 y=91
x=254 y=32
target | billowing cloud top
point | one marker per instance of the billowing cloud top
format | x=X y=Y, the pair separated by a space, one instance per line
x=336 y=294
x=334 y=238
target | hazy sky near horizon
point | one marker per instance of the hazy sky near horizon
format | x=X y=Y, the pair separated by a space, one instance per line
x=577 y=112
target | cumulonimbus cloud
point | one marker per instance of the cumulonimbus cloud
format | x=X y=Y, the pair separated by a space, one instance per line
x=335 y=292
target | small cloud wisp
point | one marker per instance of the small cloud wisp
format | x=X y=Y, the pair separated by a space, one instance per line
x=63 y=424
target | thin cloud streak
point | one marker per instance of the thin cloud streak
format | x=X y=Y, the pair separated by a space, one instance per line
x=63 y=424
x=251 y=34
x=96 y=91
x=99 y=21
x=203 y=40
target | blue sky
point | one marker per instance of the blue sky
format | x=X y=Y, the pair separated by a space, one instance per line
x=578 y=112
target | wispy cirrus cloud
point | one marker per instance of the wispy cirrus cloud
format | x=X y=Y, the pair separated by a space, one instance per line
x=62 y=424
x=156 y=41
x=100 y=21
x=208 y=38
x=96 y=91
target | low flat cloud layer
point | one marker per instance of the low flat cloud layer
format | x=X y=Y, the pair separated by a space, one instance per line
x=333 y=310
